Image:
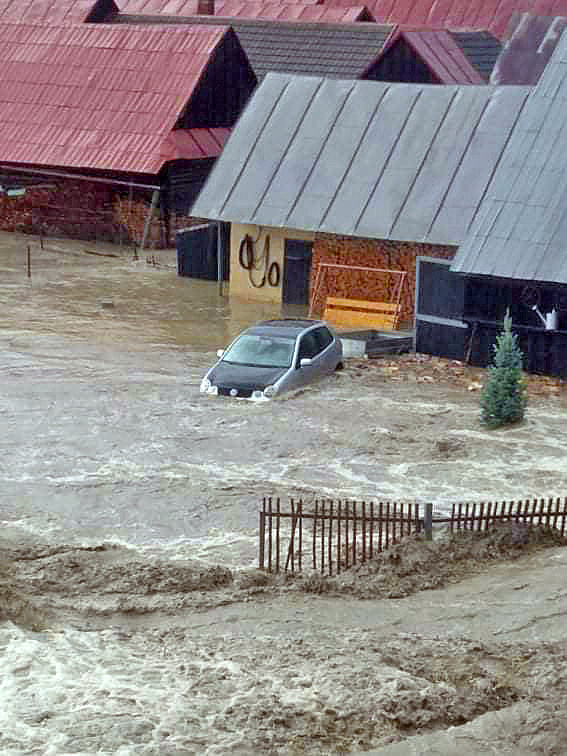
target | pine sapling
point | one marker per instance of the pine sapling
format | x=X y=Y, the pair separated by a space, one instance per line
x=503 y=399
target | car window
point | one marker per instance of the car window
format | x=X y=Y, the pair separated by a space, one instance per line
x=308 y=346
x=323 y=337
x=260 y=351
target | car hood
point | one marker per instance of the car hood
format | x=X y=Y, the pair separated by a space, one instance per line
x=244 y=376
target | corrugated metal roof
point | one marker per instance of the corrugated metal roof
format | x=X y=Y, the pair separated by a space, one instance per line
x=339 y=50
x=528 y=46
x=52 y=11
x=191 y=144
x=292 y=10
x=408 y=162
x=520 y=230
x=96 y=96
x=490 y=16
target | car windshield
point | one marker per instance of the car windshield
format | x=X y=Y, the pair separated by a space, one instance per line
x=261 y=351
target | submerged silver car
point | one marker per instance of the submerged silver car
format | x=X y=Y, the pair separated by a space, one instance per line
x=274 y=356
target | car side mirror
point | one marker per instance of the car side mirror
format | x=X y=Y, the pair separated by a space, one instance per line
x=220 y=352
x=305 y=362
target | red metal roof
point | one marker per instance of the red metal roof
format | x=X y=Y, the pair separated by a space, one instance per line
x=191 y=144
x=486 y=15
x=46 y=11
x=443 y=56
x=287 y=10
x=97 y=96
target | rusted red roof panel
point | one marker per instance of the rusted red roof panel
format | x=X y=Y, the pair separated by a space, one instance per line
x=191 y=144
x=48 y=11
x=486 y=15
x=288 y=10
x=443 y=57
x=98 y=97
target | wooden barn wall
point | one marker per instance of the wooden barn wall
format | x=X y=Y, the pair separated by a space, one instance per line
x=376 y=254
x=89 y=210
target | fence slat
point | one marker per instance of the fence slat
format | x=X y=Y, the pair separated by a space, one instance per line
x=371 y=529
x=315 y=537
x=262 y=534
x=353 y=533
x=278 y=534
x=330 y=538
x=300 y=505
x=270 y=534
x=347 y=552
x=338 y=536
x=322 y=536
x=380 y=527
x=364 y=531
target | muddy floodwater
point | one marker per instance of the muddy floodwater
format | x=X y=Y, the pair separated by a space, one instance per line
x=110 y=455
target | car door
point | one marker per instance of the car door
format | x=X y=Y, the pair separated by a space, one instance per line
x=325 y=358
x=308 y=349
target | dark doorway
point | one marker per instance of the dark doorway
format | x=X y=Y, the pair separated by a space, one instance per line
x=297 y=265
x=197 y=251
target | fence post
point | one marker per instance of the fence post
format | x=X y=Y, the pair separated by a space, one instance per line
x=262 y=534
x=428 y=521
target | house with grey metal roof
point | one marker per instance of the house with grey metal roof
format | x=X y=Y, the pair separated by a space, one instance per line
x=513 y=254
x=353 y=174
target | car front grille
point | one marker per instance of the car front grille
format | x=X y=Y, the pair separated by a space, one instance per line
x=245 y=393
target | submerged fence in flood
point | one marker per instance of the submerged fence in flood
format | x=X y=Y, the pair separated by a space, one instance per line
x=332 y=535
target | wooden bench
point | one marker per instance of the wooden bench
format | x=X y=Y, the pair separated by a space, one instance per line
x=359 y=312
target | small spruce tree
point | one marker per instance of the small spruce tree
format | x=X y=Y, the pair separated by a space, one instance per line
x=503 y=399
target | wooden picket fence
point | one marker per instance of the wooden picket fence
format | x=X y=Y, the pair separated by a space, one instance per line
x=332 y=535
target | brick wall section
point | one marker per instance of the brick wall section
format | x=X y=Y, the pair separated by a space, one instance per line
x=87 y=210
x=376 y=254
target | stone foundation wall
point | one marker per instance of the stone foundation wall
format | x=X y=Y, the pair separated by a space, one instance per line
x=381 y=287
x=83 y=210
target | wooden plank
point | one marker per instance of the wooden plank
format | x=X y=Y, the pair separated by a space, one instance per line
x=364 y=531
x=322 y=536
x=363 y=304
x=315 y=538
x=277 y=534
x=270 y=534
x=262 y=535
x=365 y=319
x=339 y=537
x=300 y=510
x=330 y=537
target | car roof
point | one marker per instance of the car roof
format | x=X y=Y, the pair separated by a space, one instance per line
x=290 y=327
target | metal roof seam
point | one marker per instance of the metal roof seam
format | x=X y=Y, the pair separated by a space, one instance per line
x=253 y=145
x=322 y=147
x=390 y=153
x=421 y=164
x=354 y=156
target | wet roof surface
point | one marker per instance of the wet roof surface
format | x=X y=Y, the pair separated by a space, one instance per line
x=337 y=50
x=491 y=16
x=269 y=9
x=405 y=162
x=520 y=230
x=98 y=96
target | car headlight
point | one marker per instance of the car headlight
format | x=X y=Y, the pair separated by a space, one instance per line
x=269 y=391
x=205 y=385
